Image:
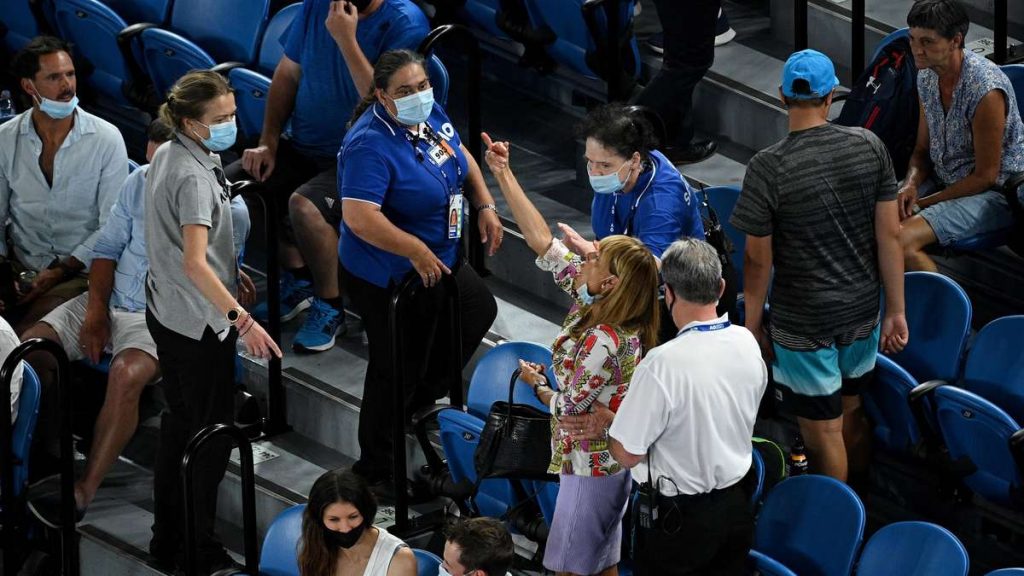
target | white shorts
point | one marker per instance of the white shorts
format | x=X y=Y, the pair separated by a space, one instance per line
x=127 y=329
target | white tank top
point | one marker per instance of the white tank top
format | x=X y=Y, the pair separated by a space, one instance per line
x=383 y=551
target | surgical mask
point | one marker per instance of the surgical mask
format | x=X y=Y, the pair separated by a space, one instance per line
x=583 y=292
x=346 y=540
x=609 y=183
x=414 y=109
x=222 y=135
x=55 y=108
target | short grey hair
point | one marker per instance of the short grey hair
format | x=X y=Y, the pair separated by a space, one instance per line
x=692 y=269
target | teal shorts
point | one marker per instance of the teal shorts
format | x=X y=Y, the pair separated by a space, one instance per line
x=811 y=382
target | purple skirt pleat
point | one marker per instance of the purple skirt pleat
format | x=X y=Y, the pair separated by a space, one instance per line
x=586 y=531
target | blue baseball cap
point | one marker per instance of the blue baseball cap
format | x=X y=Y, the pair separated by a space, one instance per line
x=815 y=68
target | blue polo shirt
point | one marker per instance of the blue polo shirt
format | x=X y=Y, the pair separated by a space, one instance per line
x=326 y=94
x=660 y=209
x=380 y=163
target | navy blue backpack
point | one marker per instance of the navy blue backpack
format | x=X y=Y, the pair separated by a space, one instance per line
x=884 y=100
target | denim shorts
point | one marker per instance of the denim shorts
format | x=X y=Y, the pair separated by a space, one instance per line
x=960 y=218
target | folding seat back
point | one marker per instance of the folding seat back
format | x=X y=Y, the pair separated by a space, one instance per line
x=1007 y=572
x=939 y=318
x=272 y=45
x=19 y=22
x=426 y=562
x=811 y=524
x=251 y=89
x=134 y=11
x=228 y=30
x=92 y=28
x=913 y=549
x=25 y=425
x=977 y=434
x=494 y=370
x=1015 y=72
x=279 y=556
x=764 y=565
x=887 y=404
x=169 y=56
x=483 y=14
x=994 y=368
x=460 y=436
x=577 y=44
x=438 y=79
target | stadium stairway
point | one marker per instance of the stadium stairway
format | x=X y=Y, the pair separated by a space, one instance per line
x=737 y=103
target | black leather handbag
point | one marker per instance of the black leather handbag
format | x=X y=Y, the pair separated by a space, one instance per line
x=515 y=442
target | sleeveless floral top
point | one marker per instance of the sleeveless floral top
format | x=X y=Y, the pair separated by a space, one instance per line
x=596 y=367
x=951 y=145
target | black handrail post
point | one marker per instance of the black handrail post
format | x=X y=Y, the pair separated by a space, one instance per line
x=188 y=463
x=799 y=25
x=276 y=421
x=475 y=252
x=857 y=45
x=1000 y=31
x=615 y=56
x=455 y=322
x=68 y=547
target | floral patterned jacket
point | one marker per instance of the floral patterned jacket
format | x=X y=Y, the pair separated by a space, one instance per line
x=597 y=367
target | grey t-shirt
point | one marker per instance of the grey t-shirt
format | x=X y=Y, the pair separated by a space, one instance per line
x=186 y=185
x=815 y=192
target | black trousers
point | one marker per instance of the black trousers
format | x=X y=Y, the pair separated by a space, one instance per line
x=689 y=28
x=707 y=535
x=427 y=339
x=198 y=383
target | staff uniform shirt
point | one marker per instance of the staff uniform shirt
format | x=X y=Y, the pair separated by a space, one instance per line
x=185 y=186
x=123 y=240
x=951 y=138
x=691 y=408
x=378 y=164
x=597 y=366
x=660 y=209
x=48 y=222
x=326 y=94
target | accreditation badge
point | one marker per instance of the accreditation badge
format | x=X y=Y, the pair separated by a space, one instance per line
x=455 y=216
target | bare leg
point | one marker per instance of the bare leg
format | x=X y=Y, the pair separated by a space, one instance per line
x=915 y=235
x=130 y=371
x=318 y=243
x=45 y=366
x=825 y=448
x=856 y=436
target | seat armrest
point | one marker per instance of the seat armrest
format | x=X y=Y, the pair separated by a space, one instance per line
x=916 y=400
x=766 y=565
x=1017 y=449
x=240 y=187
x=224 y=67
x=126 y=35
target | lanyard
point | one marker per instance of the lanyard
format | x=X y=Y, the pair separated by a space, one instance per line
x=432 y=139
x=705 y=328
x=632 y=211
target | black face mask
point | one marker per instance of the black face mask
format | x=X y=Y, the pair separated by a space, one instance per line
x=335 y=539
x=360 y=4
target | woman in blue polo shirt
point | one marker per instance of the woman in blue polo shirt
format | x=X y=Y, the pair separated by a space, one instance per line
x=638 y=192
x=402 y=173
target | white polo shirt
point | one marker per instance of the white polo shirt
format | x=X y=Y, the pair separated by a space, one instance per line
x=691 y=408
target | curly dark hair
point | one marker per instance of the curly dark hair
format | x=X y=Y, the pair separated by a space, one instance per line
x=25 y=63
x=620 y=129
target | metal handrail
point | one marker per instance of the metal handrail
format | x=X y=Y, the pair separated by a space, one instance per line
x=188 y=463
x=399 y=296
x=1000 y=32
x=68 y=547
x=475 y=252
x=276 y=421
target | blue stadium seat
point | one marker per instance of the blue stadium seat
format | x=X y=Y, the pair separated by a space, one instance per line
x=491 y=375
x=576 y=44
x=1007 y=572
x=252 y=86
x=939 y=318
x=766 y=566
x=994 y=368
x=197 y=38
x=758 y=465
x=887 y=402
x=913 y=549
x=92 y=28
x=19 y=24
x=439 y=79
x=25 y=425
x=426 y=562
x=978 y=435
x=811 y=524
x=134 y=11
x=483 y=14
x=279 y=554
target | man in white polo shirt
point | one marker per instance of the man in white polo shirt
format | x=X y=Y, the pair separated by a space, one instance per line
x=687 y=422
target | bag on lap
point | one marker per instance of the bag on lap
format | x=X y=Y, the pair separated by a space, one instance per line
x=515 y=442
x=884 y=100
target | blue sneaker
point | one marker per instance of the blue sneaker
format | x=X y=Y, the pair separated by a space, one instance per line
x=321 y=326
x=296 y=296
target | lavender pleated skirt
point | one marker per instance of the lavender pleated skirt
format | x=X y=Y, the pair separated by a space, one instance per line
x=586 y=531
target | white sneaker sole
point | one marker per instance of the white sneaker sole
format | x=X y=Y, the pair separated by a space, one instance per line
x=301 y=307
x=725 y=37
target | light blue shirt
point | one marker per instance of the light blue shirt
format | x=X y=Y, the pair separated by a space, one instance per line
x=123 y=240
x=62 y=220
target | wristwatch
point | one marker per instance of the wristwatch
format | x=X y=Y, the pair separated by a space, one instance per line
x=234 y=314
x=483 y=207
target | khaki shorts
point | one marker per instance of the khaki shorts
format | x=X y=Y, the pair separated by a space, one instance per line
x=127 y=329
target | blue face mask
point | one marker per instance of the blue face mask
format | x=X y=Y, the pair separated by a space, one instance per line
x=609 y=183
x=222 y=136
x=583 y=292
x=55 y=108
x=414 y=109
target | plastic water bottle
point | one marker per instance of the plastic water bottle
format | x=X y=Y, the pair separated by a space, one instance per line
x=797 y=458
x=6 y=106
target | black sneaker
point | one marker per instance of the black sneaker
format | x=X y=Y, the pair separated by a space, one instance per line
x=691 y=153
x=44 y=502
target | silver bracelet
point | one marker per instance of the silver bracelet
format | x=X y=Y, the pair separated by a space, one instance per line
x=483 y=207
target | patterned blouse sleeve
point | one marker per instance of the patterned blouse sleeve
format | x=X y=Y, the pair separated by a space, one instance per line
x=596 y=365
x=564 y=265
